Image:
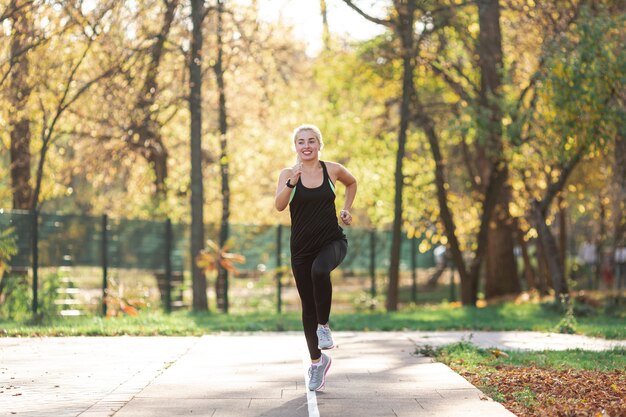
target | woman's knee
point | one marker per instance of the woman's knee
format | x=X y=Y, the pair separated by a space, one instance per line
x=319 y=271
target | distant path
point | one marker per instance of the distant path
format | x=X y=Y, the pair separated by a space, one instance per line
x=252 y=374
x=516 y=340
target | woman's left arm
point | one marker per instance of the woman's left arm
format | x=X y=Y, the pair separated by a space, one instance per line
x=346 y=178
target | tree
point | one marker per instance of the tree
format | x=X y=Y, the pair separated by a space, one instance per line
x=20 y=89
x=200 y=302
x=221 y=284
x=58 y=85
x=402 y=23
x=490 y=186
x=470 y=62
x=325 y=29
x=68 y=93
x=582 y=76
x=144 y=130
x=501 y=266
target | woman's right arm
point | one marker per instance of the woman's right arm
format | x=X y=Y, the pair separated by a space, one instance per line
x=283 y=193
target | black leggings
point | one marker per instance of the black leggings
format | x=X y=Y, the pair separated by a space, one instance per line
x=313 y=282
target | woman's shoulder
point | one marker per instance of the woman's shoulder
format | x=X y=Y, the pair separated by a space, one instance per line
x=332 y=166
x=285 y=172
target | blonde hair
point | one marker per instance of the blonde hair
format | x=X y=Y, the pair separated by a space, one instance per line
x=316 y=131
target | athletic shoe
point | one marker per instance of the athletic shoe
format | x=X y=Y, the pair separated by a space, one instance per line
x=324 y=338
x=317 y=374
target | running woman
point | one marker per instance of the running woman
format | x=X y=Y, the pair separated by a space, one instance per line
x=318 y=244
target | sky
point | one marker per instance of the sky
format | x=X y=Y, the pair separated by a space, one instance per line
x=307 y=20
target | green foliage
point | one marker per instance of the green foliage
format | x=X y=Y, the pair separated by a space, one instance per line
x=18 y=298
x=8 y=248
x=568 y=323
x=583 y=78
x=48 y=295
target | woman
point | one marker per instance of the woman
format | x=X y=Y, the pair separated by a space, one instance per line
x=318 y=244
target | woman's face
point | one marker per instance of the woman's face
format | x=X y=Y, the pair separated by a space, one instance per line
x=307 y=145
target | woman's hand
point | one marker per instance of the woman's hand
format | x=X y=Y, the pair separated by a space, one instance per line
x=296 y=171
x=345 y=217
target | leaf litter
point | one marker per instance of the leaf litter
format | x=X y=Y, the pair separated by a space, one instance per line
x=533 y=391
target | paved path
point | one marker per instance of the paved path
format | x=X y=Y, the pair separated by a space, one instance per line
x=261 y=375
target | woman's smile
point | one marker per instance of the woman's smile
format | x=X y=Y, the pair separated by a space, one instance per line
x=307 y=145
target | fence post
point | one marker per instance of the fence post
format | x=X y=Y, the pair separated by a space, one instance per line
x=279 y=268
x=414 y=269
x=168 y=265
x=35 y=254
x=373 y=263
x=105 y=266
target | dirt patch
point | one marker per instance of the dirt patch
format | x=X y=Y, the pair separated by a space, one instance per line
x=531 y=391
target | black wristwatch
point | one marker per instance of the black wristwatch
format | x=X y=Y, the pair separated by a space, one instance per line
x=288 y=183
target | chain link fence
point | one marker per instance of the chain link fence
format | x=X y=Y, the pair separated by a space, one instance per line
x=128 y=258
x=95 y=263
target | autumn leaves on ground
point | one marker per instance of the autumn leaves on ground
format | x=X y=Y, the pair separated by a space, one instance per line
x=533 y=391
x=544 y=383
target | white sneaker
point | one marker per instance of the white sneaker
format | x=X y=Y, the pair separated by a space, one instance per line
x=324 y=338
x=317 y=374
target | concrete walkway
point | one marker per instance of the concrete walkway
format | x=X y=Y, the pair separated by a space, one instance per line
x=257 y=374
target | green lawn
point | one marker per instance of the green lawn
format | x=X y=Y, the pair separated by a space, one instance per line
x=473 y=358
x=507 y=316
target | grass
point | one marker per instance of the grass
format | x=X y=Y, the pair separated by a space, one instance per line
x=445 y=316
x=475 y=359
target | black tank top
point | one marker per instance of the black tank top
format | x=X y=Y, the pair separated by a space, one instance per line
x=313 y=218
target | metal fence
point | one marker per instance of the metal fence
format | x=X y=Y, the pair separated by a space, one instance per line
x=161 y=248
x=93 y=253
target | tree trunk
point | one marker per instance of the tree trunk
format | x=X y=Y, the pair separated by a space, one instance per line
x=562 y=232
x=405 y=31
x=494 y=183
x=538 y=216
x=19 y=93
x=501 y=268
x=619 y=202
x=551 y=252
x=150 y=144
x=325 y=30
x=221 y=284
x=156 y=156
x=442 y=198
x=600 y=245
x=529 y=271
x=542 y=269
x=200 y=302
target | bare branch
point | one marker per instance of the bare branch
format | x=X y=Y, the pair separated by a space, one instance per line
x=383 y=22
x=457 y=87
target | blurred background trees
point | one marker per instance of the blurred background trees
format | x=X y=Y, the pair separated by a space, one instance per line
x=482 y=125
